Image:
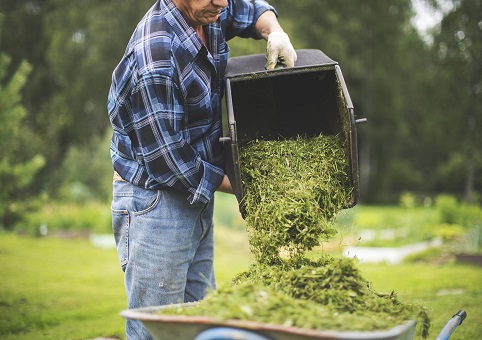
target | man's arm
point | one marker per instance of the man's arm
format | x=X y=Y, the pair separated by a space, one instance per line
x=225 y=186
x=266 y=24
x=279 y=44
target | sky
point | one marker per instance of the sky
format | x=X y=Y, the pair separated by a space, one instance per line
x=426 y=18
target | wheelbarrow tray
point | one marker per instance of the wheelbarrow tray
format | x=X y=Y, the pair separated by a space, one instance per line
x=167 y=327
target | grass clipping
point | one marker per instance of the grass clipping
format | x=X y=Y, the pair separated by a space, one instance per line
x=293 y=190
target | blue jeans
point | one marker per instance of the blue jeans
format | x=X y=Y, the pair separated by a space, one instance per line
x=165 y=248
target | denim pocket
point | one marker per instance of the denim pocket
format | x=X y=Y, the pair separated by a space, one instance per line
x=120 y=227
x=144 y=203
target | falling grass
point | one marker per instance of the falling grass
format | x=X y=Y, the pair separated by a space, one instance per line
x=293 y=190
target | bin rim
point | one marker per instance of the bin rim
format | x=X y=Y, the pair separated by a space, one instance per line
x=253 y=65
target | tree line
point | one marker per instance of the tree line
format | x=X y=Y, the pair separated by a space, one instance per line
x=422 y=99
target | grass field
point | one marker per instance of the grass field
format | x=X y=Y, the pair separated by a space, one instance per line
x=58 y=289
x=65 y=288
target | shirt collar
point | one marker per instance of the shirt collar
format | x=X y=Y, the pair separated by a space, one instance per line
x=182 y=29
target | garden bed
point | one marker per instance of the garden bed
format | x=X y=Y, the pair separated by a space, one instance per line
x=475 y=259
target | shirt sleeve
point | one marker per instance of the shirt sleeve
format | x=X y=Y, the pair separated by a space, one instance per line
x=242 y=17
x=166 y=154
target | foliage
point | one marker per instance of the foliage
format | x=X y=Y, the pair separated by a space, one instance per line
x=450 y=232
x=455 y=222
x=461 y=215
x=407 y=200
x=421 y=99
x=458 y=62
x=364 y=217
x=80 y=186
x=448 y=208
x=19 y=163
x=471 y=241
x=56 y=218
x=452 y=211
x=73 y=47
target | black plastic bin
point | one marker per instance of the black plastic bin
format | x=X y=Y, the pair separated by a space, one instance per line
x=308 y=99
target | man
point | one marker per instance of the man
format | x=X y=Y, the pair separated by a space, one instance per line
x=165 y=109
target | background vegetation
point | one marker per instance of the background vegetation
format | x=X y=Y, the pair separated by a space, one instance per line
x=66 y=288
x=420 y=154
x=420 y=92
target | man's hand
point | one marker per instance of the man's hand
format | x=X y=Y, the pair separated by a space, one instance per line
x=225 y=186
x=279 y=44
x=279 y=49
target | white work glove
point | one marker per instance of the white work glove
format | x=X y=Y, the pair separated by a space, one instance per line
x=279 y=49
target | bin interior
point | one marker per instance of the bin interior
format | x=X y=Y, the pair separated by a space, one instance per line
x=288 y=104
x=307 y=100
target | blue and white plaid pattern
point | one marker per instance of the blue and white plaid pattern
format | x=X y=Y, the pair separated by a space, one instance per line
x=165 y=100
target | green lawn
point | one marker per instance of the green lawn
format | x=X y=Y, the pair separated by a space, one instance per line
x=58 y=289
x=53 y=288
x=444 y=289
x=67 y=289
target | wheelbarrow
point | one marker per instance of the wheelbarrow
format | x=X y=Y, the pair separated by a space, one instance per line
x=168 y=327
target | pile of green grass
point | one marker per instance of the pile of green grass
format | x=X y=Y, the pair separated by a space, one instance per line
x=326 y=294
x=293 y=191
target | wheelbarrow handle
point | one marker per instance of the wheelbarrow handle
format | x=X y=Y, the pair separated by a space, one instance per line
x=228 y=333
x=453 y=323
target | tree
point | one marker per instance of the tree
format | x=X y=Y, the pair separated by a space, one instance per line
x=422 y=111
x=458 y=55
x=73 y=47
x=18 y=165
x=383 y=61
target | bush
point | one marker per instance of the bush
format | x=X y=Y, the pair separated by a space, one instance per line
x=19 y=160
x=407 y=200
x=453 y=212
x=92 y=217
x=81 y=186
x=449 y=232
x=448 y=209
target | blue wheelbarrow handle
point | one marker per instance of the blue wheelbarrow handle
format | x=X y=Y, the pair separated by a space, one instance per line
x=450 y=326
x=227 y=333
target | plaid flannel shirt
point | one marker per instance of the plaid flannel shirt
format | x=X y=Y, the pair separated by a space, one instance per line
x=165 y=99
